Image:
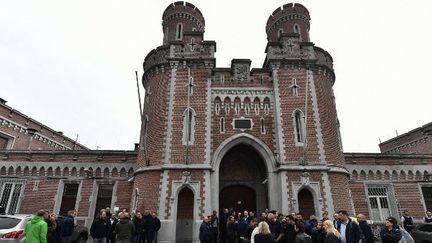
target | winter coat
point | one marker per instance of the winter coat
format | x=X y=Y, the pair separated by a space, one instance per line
x=390 y=236
x=275 y=228
x=124 y=229
x=353 y=233
x=67 y=226
x=231 y=232
x=367 y=232
x=318 y=236
x=99 y=229
x=155 y=224
x=331 y=238
x=261 y=238
x=205 y=233
x=36 y=230
x=139 y=226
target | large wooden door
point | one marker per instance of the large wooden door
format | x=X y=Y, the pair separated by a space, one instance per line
x=185 y=207
x=239 y=198
x=306 y=203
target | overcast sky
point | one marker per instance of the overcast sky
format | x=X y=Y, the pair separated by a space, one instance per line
x=70 y=64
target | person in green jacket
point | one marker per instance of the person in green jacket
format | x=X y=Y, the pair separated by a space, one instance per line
x=36 y=230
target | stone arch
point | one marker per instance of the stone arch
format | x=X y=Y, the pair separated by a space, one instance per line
x=410 y=175
x=3 y=170
x=371 y=175
x=106 y=172
x=123 y=172
x=18 y=171
x=386 y=175
x=50 y=171
x=66 y=171
x=185 y=210
x=34 y=171
x=98 y=172
x=247 y=105
x=74 y=172
x=378 y=175
x=362 y=175
x=402 y=175
x=394 y=175
x=130 y=172
x=354 y=175
x=57 y=171
x=309 y=203
x=261 y=148
x=26 y=171
x=114 y=173
x=425 y=175
x=82 y=172
x=42 y=171
x=418 y=175
x=11 y=170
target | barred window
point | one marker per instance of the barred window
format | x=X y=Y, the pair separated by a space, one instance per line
x=10 y=196
x=380 y=199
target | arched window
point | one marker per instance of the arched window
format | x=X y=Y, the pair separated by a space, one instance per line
x=145 y=133
x=222 y=125
x=296 y=29
x=280 y=33
x=188 y=126
x=299 y=127
x=179 y=31
x=262 y=126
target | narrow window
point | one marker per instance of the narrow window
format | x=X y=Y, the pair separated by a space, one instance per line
x=145 y=130
x=179 y=31
x=299 y=127
x=70 y=192
x=217 y=108
x=188 y=126
x=280 y=33
x=257 y=109
x=266 y=109
x=237 y=108
x=296 y=29
x=263 y=130
x=104 y=197
x=10 y=196
x=222 y=125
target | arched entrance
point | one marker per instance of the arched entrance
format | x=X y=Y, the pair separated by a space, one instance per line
x=185 y=207
x=243 y=180
x=306 y=203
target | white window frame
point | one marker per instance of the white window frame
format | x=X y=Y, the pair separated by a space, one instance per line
x=222 y=125
x=9 y=201
x=389 y=197
x=188 y=139
x=302 y=129
x=179 y=28
x=262 y=126
x=10 y=139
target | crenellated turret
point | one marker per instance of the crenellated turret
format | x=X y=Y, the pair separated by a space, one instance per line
x=181 y=17
x=291 y=18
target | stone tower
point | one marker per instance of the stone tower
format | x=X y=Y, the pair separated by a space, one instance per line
x=237 y=137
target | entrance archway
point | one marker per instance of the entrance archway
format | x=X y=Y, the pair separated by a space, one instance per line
x=306 y=203
x=243 y=180
x=184 y=223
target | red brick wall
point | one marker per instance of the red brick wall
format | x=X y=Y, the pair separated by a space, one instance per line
x=359 y=198
x=340 y=191
x=43 y=198
x=148 y=184
x=409 y=197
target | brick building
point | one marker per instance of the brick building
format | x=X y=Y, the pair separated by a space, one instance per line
x=239 y=137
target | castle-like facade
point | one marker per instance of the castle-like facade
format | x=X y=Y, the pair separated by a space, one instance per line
x=211 y=138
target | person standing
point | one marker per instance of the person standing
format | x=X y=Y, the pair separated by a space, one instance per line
x=407 y=221
x=139 y=227
x=390 y=233
x=214 y=222
x=365 y=229
x=124 y=229
x=68 y=226
x=301 y=236
x=155 y=225
x=205 y=235
x=332 y=235
x=53 y=235
x=232 y=232
x=252 y=225
x=114 y=221
x=349 y=230
x=147 y=224
x=98 y=229
x=264 y=235
x=319 y=233
x=274 y=225
x=223 y=220
x=36 y=230
x=428 y=217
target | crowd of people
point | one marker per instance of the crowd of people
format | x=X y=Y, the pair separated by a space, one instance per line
x=231 y=227
x=119 y=227
x=272 y=226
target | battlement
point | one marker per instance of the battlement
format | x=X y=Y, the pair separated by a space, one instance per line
x=182 y=12
x=290 y=18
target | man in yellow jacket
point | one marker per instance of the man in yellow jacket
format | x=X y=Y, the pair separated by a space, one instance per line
x=36 y=230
